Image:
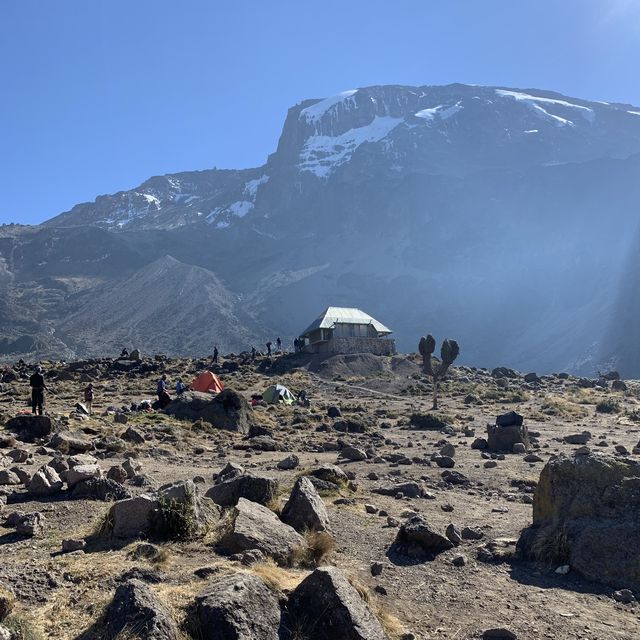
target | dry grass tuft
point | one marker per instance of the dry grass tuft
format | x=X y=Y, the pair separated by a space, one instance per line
x=278 y=579
x=391 y=625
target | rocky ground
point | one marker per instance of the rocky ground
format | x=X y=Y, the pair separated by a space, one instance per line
x=389 y=504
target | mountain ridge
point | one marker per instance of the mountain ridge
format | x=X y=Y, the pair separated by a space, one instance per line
x=487 y=214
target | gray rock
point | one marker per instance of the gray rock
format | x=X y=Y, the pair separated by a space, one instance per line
x=30 y=427
x=479 y=443
x=448 y=450
x=118 y=474
x=70 y=545
x=499 y=633
x=453 y=534
x=132 y=467
x=445 y=462
x=518 y=447
x=507 y=432
x=592 y=504
x=228 y=410
x=417 y=537
x=70 y=442
x=355 y=454
x=578 y=438
x=137 y=612
x=231 y=487
x=131 y=518
x=326 y=606
x=469 y=533
x=256 y=527
x=330 y=473
x=305 y=509
x=290 y=462
x=409 y=489
x=133 y=435
x=30 y=524
x=8 y=477
x=238 y=607
x=45 y=482
x=103 y=489
x=121 y=418
x=82 y=472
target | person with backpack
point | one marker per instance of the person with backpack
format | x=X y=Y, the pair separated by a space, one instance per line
x=38 y=387
x=181 y=387
x=163 y=395
x=88 y=397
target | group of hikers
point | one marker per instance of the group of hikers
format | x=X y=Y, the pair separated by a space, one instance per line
x=39 y=386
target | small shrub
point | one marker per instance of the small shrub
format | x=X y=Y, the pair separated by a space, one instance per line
x=174 y=520
x=551 y=547
x=427 y=421
x=608 y=406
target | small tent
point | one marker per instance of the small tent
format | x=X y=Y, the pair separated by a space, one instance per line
x=207 y=382
x=278 y=393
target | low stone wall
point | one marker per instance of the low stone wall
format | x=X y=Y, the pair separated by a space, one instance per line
x=377 y=346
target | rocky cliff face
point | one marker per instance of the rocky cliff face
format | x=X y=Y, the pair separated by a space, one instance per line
x=497 y=216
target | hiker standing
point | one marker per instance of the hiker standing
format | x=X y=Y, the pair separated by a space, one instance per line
x=88 y=397
x=253 y=353
x=181 y=387
x=38 y=387
x=268 y=348
x=163 y=395
x=279 y=343
x=215 y=355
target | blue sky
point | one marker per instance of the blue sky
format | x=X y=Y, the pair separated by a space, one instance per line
x=97 y=96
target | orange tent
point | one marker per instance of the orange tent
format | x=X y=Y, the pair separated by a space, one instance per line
x=207 y=382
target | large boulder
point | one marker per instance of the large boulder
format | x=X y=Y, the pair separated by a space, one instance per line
x=325 y=606
x=136 y=612
x=81 y=472
x=230 y=487
x=417 y=538
x=45 y=482
x=228 y=410
x=131 y=518
x=508 y=430
x=256 y=527
x=71 y=442
x=238 y=607
x=305 y=509
x=586 y=511
x=30 y=427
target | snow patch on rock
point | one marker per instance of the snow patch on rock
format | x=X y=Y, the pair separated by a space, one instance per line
x=316 y=111
x=321 y=155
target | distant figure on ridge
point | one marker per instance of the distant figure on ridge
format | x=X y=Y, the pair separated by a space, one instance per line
x=215 y=355
x=38 y=387
x=124 y=353
x=88 y=397
x=253 y=353
x=268 y=348
x=279 y=343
